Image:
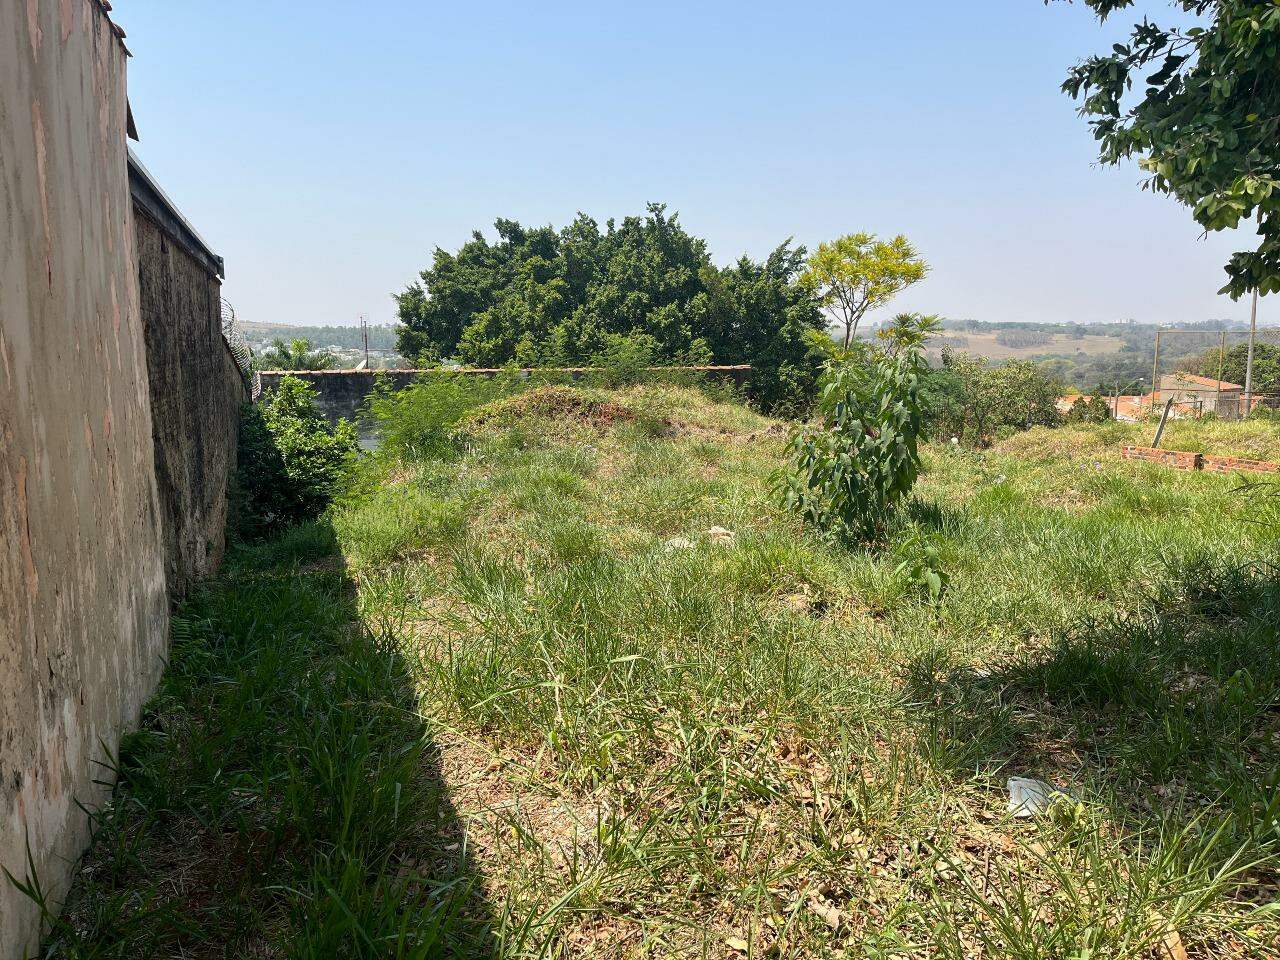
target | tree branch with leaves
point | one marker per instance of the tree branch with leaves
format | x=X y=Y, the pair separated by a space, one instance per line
x=1206 y=124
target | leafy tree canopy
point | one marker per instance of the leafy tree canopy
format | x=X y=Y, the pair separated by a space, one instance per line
x=1266 y=366
x=1206 y=124
x=858 y=273
x=642 y=287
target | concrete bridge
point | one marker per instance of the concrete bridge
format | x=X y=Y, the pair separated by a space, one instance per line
x=341 y=392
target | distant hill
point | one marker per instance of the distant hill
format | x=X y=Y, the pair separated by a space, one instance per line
x=999 y=346
x=382 y=338
x=1086 y=355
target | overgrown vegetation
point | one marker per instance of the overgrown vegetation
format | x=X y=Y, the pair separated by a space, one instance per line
x=579 y=685
x=976 y=403
x=643 y=287
x=419 y=422
x=290 y=461
x=279 y=799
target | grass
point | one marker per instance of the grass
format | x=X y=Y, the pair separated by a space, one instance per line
x=1061 y=345
x=279 y=799
x=1257 y=439
x=582 y=689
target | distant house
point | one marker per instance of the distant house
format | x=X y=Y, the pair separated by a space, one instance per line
x=1202 y=395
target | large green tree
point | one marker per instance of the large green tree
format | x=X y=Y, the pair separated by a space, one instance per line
x=1205 y=120
x=1266 y=366
x=644 y=286
x=760 y=314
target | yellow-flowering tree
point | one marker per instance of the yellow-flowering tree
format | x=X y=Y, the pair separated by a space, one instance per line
x=859 y=273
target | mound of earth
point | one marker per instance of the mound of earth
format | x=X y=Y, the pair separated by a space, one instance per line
x=558 y=403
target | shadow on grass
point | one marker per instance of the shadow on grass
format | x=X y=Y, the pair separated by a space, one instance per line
x=1171 y=711
x=936 y=517
x=283 y=796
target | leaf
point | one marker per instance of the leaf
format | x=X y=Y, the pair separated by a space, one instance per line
x=829 y=914
x=1172 y=948
x=737 y=945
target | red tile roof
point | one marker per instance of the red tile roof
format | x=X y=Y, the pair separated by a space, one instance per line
x=1206 y=381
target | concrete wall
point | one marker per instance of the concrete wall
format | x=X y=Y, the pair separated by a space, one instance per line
x=339 y=393
x=83 y=612
x=196 y=394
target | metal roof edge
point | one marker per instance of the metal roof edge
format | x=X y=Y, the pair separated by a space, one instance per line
x=150 y=196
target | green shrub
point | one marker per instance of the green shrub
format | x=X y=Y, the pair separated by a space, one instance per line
x=848 y=476
x=419 y=422
x=290 y=460
x=977 y=403
x=625 y=358
x=1093 y=409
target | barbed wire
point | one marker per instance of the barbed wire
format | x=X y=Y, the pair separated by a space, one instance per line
x=239 y=346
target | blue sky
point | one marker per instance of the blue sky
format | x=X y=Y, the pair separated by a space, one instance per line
x=326 y=148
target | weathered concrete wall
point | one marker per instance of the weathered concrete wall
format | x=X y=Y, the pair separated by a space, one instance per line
x=339 y=393
x=196 y=394
x=83 y=613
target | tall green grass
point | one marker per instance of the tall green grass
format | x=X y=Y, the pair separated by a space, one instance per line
x=274 y=799
x=646 y=737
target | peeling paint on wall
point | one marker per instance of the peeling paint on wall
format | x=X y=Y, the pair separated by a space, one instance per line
x=83 y=606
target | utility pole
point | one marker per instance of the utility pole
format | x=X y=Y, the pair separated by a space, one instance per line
x=364 y=333
x=1253 y=332
x=1155 y=374
x=1222 y=361
x=1248 y=364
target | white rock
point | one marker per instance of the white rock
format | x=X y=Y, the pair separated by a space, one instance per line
x=1031 y=798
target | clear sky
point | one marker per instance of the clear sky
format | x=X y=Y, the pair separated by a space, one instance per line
x=325 y=148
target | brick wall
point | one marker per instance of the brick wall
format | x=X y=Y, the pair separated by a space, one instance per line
x=1231 y=464
x=1178 y=459
x=1183 y=460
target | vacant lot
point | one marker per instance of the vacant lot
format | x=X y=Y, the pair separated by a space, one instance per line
x=1104 y=442
x=1061 y=345
x=583 y=690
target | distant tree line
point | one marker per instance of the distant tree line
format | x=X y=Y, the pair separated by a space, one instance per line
x=382 y=337
x=295 y=354
x=1020 y=339
x=1124 y=367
